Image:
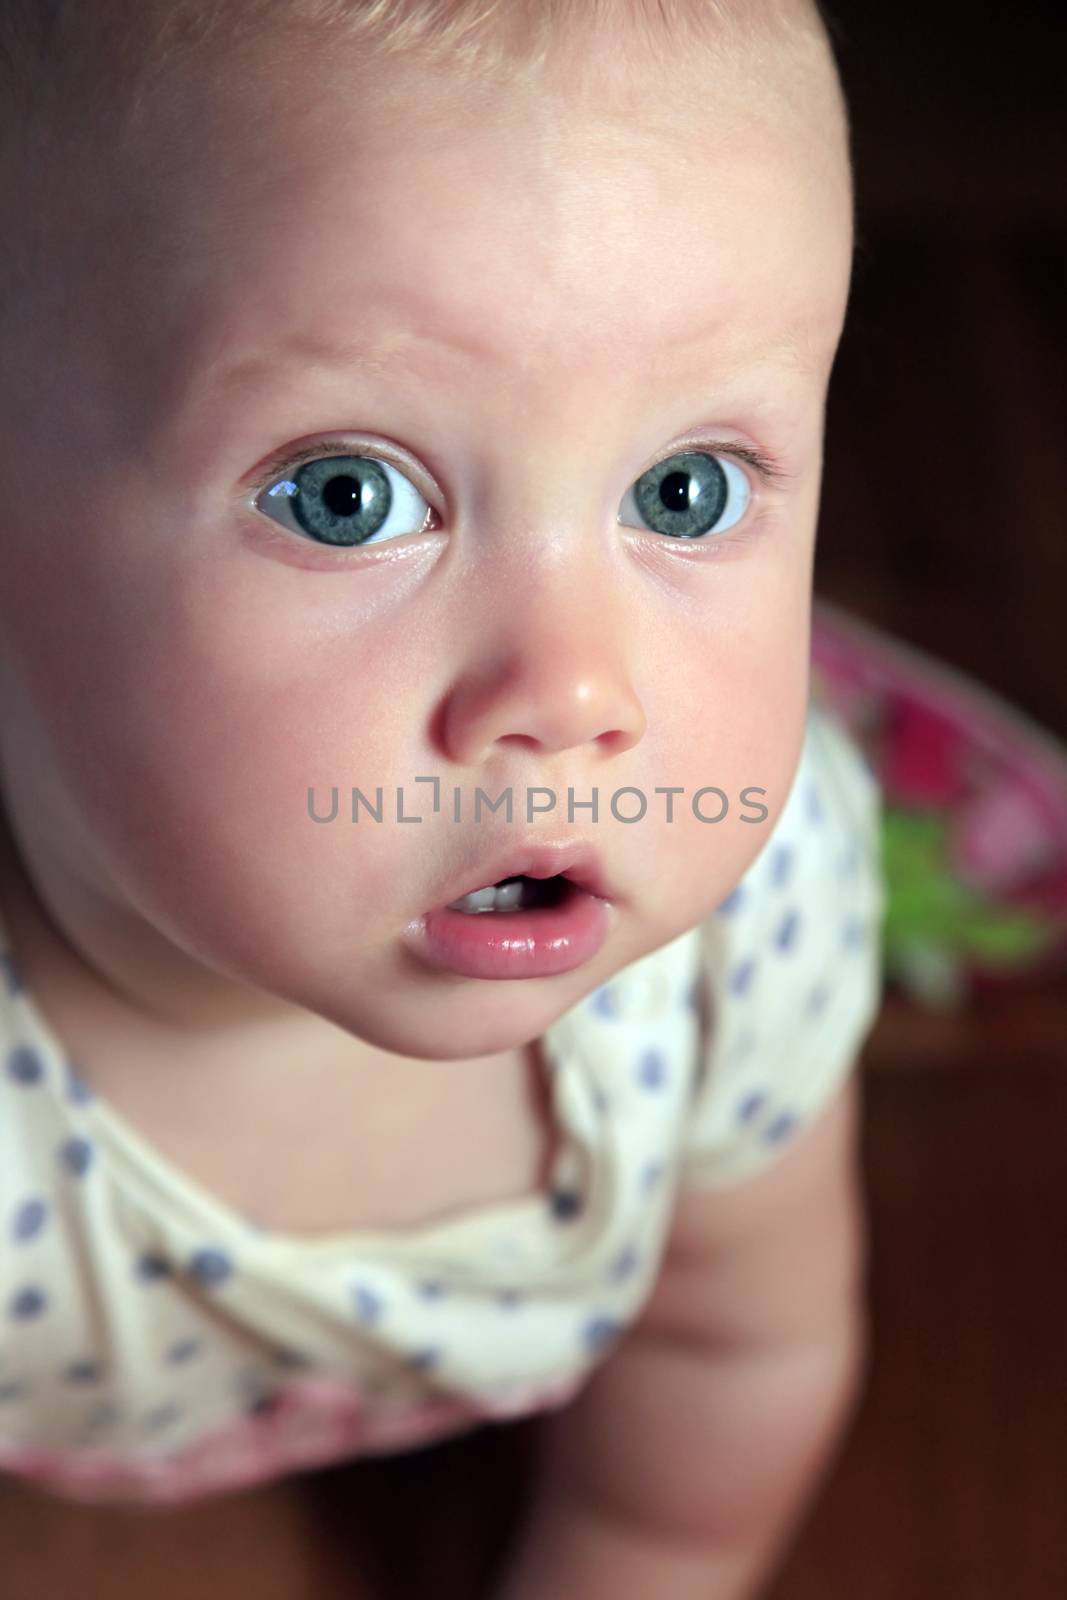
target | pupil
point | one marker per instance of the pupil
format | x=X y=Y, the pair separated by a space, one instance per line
x=343 y=495
x=674 y=491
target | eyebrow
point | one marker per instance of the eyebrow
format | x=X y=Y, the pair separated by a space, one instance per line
x=794 y=347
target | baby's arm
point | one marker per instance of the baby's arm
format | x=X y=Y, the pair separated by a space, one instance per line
x=683 y=1469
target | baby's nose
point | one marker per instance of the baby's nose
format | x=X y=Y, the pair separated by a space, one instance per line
x=549 y=692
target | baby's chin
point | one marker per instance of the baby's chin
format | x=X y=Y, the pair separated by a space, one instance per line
x=450 y=1027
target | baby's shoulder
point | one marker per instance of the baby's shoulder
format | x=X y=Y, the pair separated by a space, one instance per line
x=826 y=838
x=791 y=969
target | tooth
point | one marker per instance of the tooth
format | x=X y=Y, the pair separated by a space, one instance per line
x=477 y=900
x=507 y=898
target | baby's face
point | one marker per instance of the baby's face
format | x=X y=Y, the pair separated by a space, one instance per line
x=515 y=314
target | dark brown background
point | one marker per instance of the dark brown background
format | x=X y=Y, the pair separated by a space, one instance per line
x=944 y=522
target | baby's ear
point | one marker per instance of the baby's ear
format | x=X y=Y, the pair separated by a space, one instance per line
x=776 y=1259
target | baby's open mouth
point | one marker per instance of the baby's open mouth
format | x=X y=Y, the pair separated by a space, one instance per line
x=516 y=894
x=548 y=913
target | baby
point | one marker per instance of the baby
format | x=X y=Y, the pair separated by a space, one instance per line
x=412 y=424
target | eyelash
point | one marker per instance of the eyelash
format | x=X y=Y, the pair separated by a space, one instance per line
x=767 y=468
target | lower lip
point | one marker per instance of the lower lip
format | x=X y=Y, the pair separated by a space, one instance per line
x=516 y=944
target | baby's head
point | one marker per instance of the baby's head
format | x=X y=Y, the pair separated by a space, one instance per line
x=564 y=285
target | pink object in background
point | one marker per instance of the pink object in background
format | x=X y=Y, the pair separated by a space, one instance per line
x=946 y=748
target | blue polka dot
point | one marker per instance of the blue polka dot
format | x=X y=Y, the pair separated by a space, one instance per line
x=817 y=999
x=602 y=1002
x=781 y=863
x=855 y=932
x=29 y=1220
x=423 y=1359
x=785 y=936
x=24 y=1065
x=163 y=1416
x=652 y=1174
x=695 y=995
x=182 y=1350
x=26 y=1304
x=849 y=861
x=431 y=1290
x=76 y=1155
x=624 y=1265
x=781 y=1126
x=368 y=1305
x=509 y=1298
x=83 y=1372
x=652 y=1069
x=12 y=976
x=734 y=899
x=600 y=1331
x=564 y=1204
x=751 y=1105
x=252 y=1389
x=151 y=1266
x=210 y=1267
x=741 y=977
x=815 y=810
x=77 y=1089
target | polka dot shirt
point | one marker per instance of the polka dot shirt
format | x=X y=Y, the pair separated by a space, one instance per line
x=156 y=1346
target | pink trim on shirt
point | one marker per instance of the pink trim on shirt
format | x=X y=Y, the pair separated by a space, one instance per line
x=313 y=1423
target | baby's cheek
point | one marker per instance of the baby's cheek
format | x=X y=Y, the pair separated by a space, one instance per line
x=736 y=754
x=193 y=774
x=263 y=759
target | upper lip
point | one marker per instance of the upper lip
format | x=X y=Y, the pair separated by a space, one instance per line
x=580 y=863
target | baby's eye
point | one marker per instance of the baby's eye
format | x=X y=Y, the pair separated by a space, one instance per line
x=350 y=499
x=347 y=500
x=691 y=494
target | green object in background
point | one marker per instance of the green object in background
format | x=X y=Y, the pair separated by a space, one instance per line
x=934 y=923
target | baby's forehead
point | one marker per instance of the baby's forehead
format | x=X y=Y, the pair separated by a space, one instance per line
x=236 y=216
x=382 y=269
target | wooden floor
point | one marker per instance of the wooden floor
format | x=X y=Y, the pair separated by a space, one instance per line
x=945 y=488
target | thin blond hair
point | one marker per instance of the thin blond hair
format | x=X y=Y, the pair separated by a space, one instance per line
x=120 y=47
x=80 y=77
